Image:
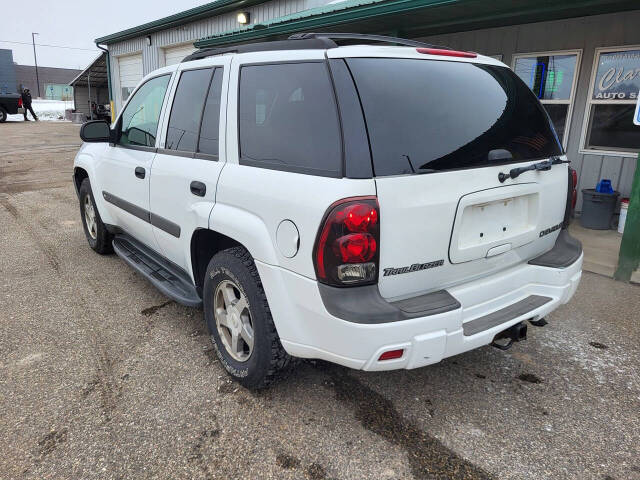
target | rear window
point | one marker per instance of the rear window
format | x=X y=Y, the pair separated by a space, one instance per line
x=425 y=115
x=289 y=119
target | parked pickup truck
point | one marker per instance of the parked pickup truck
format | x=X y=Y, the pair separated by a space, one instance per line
x=10 y=104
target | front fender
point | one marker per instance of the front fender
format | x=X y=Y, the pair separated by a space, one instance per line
x=87 y=158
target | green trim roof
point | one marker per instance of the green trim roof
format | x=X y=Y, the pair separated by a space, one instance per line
x=342 y=9
x=414 y=18
x=204 y=11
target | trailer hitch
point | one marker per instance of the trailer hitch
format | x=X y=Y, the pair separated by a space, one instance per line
x=515 y=333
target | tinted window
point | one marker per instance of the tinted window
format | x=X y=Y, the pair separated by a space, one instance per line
x=186 y=111
x=288 y=119
x=140 y=116
x=427 y=115
x=611 y=128
x=210 y=129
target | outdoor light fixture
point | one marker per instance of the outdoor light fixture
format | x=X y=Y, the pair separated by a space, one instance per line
x=148 y=40
x=243 y=17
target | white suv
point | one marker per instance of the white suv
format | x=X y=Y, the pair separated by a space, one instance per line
x=375 y=202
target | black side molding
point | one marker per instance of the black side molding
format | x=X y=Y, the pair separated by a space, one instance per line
x=565 y=252
x=155 y=220
x=366 y=305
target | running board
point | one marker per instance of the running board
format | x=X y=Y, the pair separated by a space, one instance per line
x=504 y=314
x=166 y=277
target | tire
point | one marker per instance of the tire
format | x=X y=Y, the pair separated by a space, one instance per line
x=97 y=235
x=234 y=269
x=3 y=115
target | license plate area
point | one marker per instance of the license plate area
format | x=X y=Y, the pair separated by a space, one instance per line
x=494 y=221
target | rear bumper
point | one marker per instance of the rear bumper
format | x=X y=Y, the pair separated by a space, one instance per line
x=308 y=330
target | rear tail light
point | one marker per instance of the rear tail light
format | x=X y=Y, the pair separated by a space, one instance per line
x=446 y=53
x=347 y=248
x=19 y=102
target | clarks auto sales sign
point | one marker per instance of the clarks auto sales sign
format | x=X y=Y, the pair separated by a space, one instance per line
x=618 y=76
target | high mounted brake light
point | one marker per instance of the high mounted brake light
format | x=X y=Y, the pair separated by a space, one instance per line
x=446 y=53
x=346 y=251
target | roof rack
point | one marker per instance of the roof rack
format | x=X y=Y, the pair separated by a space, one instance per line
x=305 y=44
x=307 y=41
x=364 y=37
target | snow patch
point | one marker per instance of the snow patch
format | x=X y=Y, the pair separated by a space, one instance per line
x=46 y=110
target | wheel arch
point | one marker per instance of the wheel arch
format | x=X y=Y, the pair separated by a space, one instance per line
x=79 y=174
x=205 y=244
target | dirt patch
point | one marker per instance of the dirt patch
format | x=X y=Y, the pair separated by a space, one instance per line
x=147 y=312
x=51 y=440
x=428 y=457
x=286 y=461
x=315 y=471
x=529 y=377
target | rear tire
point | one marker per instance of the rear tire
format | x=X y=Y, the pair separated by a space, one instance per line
x=234 y=301
x=3 y=115
x=97 y=235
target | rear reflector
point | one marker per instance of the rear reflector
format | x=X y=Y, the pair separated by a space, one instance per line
x=391 y=354
x=446 y=53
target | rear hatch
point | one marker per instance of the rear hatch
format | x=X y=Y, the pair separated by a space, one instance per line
x=441 y=132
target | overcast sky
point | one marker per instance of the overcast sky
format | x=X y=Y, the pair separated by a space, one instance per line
x=74 y=23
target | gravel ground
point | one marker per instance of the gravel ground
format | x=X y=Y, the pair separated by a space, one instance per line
x=103 y=377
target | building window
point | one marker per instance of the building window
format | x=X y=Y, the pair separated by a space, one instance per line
x=615 y=82
x=552 y=76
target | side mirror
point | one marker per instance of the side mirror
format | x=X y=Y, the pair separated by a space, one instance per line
x=95 y=131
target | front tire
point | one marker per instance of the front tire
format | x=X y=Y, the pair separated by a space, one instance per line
x=239 y=320
x=3 y=115
x=98 y=237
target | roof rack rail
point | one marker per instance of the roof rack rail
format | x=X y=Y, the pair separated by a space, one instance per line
x=366 y=37
x=302 y=44
x=306 y=41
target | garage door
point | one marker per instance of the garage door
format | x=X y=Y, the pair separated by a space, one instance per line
x=175 y=55
x=130 y=73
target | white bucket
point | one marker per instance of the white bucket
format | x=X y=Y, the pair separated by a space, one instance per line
x=624 y=206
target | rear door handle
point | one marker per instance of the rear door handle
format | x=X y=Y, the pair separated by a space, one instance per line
x=140 y=172
x=198 y=188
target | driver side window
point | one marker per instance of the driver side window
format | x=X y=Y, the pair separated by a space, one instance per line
x=139 y=121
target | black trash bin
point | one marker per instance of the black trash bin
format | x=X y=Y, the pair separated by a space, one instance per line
x=597 y=209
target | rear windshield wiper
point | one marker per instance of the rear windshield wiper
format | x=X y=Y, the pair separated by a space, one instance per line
x=541 y=166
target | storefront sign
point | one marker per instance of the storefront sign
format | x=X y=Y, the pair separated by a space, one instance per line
x=636 y=116
x=618 y=76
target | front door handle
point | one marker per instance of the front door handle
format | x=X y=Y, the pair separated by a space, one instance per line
x=140 y=172
x=198 y=188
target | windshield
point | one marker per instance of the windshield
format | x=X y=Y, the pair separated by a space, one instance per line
x=425 y=116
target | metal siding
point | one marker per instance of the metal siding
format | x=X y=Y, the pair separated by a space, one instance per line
x=585 y=33
x=153 y=56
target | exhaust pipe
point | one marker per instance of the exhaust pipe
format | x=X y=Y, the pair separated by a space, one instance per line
x=515 y=333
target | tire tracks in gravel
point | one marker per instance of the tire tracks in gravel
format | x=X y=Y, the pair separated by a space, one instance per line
x=46 y=249
x=428 y=457
x=105 y=380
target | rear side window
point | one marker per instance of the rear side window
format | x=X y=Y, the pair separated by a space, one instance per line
x=425 y=115
x=184 y=122
x=288 y=119
x=210 y=129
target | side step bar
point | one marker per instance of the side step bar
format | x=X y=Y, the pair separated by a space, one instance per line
x=166 y=277
x=503 y=315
